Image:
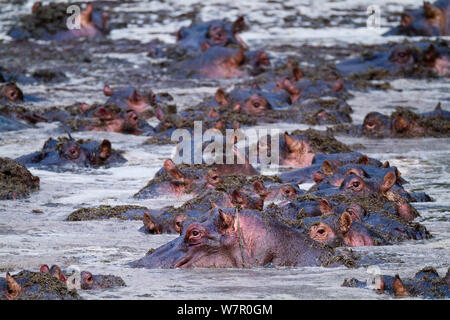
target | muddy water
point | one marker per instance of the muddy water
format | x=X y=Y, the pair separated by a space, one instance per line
x=28 y=239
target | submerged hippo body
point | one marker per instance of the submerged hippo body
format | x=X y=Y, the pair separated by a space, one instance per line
x=426 y=283
x=16 y=182
x=409 y=59
x=66 y=152
x=247 y=239
x=221 y=62
x=28 y=285
x=429 y=20
x=48 y=22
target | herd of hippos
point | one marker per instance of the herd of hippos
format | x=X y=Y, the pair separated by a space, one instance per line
x=238 y=217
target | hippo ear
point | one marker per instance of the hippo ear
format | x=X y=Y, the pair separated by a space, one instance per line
x=430 y=10
x=159 y=114
x=239 y=25
x=327 y=168
x=105 y=149
x=318 y=176
x=107 y=91
x=86 y=14
x=297 y=73
x=178 y=223
x=386 y=164
x=263 y=59
x=363 y=160
x=35 y=7
x=338 y=85
x=221 y=97
x=406 y=20
x=226 y=220
x=258 y=186
x=44 y=268
x=238 y=58
x=430 y=54
x=205 y=46
x=399 y=288
x=447 y=277
x=173 y=171
x=438 y=107
x=290 y=142
x=289 y=88
x=148 y=221
x=135 y=96
x=103 y=113
x=388 y=181
x=84 y=107
x=345 y=222
x=400 y=123
x=259 y=204
x=236 y=197
x=325 y=207
x=179 y=34
x=12 y=288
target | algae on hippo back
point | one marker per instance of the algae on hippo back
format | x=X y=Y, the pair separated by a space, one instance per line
x=16 y=182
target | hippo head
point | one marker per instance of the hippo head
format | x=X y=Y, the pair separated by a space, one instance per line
x=216 y=242
x=342 y=228
x=11 y=92
x=376 y=124
x=296 y=151
x=251 y=102
x=154 y=225
x=332 y=173
x=439 y=62
x=277 y=192
x=214 y=33
x=129 y=99
x=95 y=282
x=364 y=186
x=427 y=21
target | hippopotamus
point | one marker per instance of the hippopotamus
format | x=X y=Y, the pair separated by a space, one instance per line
x=16 y=182
x=48 y=22
x=269 y=104
x=404 y=123
x=68 y=152
x=222 y=62
x=185 y=179
x=426 y=283
x=212 y=33
x=429 y=20
x=421 y=59
x=85 y=280
x=29 y=285
x=245 y=238
x=129 y=99
x=344 y=228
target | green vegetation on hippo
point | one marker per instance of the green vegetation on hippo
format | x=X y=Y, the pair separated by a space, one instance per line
x=323 y=142
x=16 y=182
x=124 y=212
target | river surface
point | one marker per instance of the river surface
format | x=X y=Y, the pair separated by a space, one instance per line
x=30 y=237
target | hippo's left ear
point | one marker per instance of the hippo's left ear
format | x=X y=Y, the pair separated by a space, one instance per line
x=221 y=97
x=430 y=54
x=237 y=197
x=430 y=10
x=259 y=187
x=226 y=220
x=399 y=288
x=105 y=149
x=325 y=207
x=13 y=289
x=363 y=160
x=239 y=25
x=406 y=20
x=107 y=91
x=388 y=181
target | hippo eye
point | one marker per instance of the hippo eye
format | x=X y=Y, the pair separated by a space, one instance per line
x=256 y=104
x=370 y=125
x=321 y=231
x=355 y=184
x=195 y=233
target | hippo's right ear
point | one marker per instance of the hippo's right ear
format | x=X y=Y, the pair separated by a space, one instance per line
x=406 y=20
x=430 y=10
x=13 y=289
x=105 y=149
x=44 y=268
x=345 y=222
x=327 y=168
x=399 y=288
x=107 y=91
x=172 y=170
x=148 y=221
x=239 y=25
x=297 y=73
x=36 y=5
x=325 y=207
x=363 y=160
x=221 y=97
x=205 y=46
x=226 y=220
x=386 y=164
x=258 y=186
x=389 y=180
